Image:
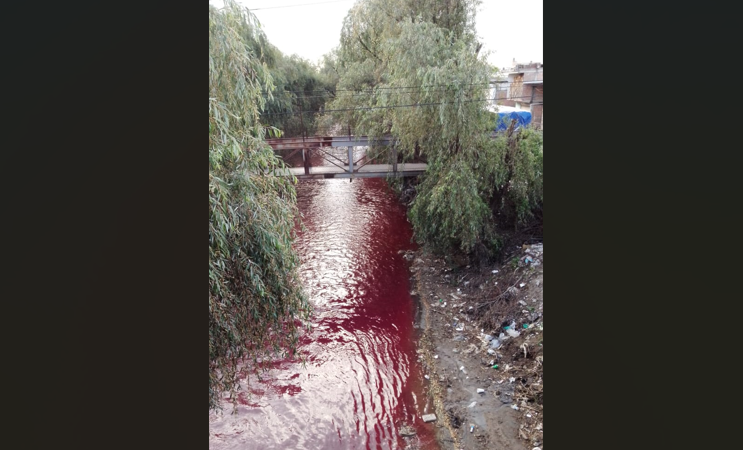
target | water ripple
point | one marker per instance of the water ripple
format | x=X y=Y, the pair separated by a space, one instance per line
x=360 y=380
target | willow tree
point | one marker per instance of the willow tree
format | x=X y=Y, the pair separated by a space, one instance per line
x=300 y=89
x=254 y=293
x=413 y=68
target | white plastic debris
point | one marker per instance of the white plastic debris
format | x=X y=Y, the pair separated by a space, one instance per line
x=522 y=285
x=435 y=356
x=429 y=417
x=515 y=407
x=426 y=377
x=512 y=379
x=528 y=415
x=495 y=271
x=480 y=391
x=513 y=333
x=472 y=405
x=491 y=351
x=462 y=368
x=495 y=343
x=521 y=302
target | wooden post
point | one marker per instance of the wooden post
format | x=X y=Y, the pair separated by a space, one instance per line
x=306 y=159
x=394 y=159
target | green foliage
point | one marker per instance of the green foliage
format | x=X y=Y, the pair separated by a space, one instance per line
x=424 y=52
x=525 y=163
x=295 y=85
x=449 y=211
x=254 y=291
x=300 y=88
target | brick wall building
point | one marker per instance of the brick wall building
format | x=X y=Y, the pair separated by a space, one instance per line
x=522 y=87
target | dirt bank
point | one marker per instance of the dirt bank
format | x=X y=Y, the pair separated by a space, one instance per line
x=481 y=346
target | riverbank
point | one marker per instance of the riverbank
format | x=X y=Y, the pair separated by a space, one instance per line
x=481 y=348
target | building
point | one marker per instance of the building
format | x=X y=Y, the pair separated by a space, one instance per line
x=522 y=87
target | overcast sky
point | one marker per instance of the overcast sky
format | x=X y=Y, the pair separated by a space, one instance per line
x=509 y=29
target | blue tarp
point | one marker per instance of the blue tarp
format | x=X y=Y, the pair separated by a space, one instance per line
x=523 y=118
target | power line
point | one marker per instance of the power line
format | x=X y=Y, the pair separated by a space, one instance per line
x=359 y=94
x=371 y=90
x=368 y=108
x=374 y=89
x=419 y=87
x=292 y=6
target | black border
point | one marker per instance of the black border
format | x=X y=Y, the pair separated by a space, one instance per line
x=107 y=180
x=621 y=224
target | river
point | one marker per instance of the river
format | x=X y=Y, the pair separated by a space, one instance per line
x=360 y=380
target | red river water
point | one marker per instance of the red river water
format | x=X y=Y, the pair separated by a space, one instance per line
x=361 y=380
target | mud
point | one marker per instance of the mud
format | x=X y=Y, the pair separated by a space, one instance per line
x=460 y=308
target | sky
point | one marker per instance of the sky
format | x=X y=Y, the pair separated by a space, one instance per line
x=508 y=29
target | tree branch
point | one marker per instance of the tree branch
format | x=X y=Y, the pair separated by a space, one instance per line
x=367 y=48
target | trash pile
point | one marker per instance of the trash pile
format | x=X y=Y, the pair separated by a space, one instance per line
x=533 y=254
x=520 y=342
x=514 y=349
x=492 y=317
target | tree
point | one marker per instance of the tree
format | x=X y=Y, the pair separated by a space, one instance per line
x=414 y=69
x=300 y=89
x=255 y=299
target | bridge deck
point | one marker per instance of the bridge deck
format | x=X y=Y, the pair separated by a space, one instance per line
x=367 y=171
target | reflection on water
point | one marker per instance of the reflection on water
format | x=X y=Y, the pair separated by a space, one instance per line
x=360 y=380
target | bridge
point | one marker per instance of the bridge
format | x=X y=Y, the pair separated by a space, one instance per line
x=343 y=168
